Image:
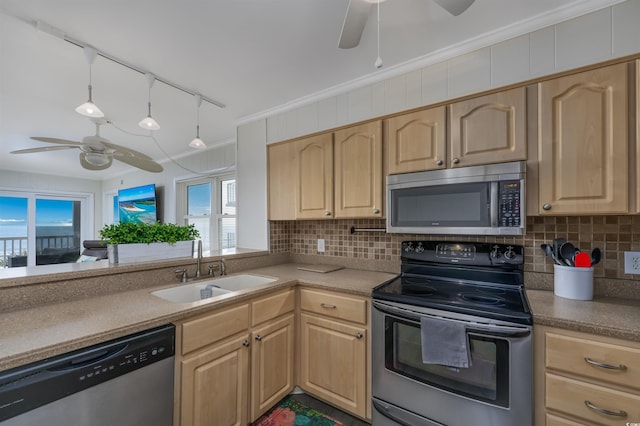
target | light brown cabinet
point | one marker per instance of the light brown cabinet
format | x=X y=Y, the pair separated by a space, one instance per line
x=488 y=129
x=416 y=142
x=585 y=379
x=281 y=182
x=218 y=352
x=334 y=349
x=314 y=177
x=583 y=152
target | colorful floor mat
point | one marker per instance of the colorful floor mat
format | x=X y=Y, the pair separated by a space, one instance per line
x=293 y=413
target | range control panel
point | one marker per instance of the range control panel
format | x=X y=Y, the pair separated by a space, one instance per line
x=468 y=253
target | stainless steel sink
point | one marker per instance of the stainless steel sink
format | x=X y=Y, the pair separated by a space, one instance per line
x=188 y=293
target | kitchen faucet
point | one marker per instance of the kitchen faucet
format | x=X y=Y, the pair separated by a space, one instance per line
x=221 y=265
x=199 y=259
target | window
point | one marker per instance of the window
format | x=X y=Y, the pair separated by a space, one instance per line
x=210 y=204
x=43 y=228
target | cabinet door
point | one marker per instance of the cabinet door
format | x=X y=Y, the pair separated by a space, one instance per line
x=281 y=174
x=214 y=385
x=333 y=362
x=358 y=171
x=583 y=152
x=416 y=141
x=489 y=129
x=271 y=364
x=314 y=164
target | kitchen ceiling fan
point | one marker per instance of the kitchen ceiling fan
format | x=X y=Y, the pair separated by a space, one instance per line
x=96 y=152
x=358 y=13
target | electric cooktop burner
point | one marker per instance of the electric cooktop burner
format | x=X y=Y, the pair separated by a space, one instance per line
x=475 y=278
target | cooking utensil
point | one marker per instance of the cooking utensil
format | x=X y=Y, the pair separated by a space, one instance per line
x=582 y=260
x=567 y=253
x=596 y=255
x=549 y=252
x=555 y=244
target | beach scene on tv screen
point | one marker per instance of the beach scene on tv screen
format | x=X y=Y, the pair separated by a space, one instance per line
x=137 y=205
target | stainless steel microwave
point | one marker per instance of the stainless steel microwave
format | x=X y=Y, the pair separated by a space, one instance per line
x=477 y=200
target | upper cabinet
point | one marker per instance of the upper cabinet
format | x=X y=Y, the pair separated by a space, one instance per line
x=358 y=171
x=416 y=142
x=314 y=177
x=281 y=187
x=488 y=129
x=583 y=143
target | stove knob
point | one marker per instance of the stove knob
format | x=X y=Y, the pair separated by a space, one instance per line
x=419 y=249
x=408 y=248
x=509 y=254
x=495 y=252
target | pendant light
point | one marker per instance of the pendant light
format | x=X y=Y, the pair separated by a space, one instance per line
x=88 y=108
x=148 y=122
x=378 y=62
x=197 y=143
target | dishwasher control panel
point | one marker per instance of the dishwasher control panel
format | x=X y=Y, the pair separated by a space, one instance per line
x=28 y=387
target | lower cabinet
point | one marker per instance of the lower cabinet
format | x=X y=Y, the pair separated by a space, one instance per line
x=334 y=350
x=236 y=363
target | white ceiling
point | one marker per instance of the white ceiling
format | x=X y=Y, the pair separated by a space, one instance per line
x=251 y=55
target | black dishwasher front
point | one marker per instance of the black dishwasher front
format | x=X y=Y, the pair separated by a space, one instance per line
x=126 y=382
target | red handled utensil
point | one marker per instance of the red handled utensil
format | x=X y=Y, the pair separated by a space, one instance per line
x=582 y=260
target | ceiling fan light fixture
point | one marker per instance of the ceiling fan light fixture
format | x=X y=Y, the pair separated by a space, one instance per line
x=148 y=122
x=89 y=109
x=96 y=159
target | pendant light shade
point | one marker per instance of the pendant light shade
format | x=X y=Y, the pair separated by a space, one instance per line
x=148 y=122
x=88 y=108
x=197 y=143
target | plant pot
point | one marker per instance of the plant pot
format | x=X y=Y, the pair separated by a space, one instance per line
x=134 y=253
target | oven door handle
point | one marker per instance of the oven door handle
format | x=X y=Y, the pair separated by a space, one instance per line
x=472 y=327
x=389 y=412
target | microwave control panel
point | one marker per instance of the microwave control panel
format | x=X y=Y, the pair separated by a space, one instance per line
x=509 y=206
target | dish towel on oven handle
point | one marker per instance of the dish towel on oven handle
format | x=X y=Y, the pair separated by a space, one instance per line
x=444 y=342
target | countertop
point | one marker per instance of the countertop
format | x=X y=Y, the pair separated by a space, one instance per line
x=33 y=334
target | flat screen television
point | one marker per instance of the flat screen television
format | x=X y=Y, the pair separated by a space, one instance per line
x=138 y=204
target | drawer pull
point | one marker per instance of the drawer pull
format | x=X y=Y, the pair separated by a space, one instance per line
x=620 y=367
x=327 y=306
x=620 y=413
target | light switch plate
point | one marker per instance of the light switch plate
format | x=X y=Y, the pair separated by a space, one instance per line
x=632 y=262
x=321 y=246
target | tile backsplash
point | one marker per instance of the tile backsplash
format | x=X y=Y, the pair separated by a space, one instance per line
x=612 y=234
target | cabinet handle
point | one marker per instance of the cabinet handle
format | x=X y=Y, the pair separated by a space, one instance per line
x=258 y=337
x=620 y=367
x=246 y=343
x=439 y=163
x=455 y=160
x=327 y=213
x=327 y=306
x=601 y=410
x=376 y=211
x=546 y=206
x=359 y=335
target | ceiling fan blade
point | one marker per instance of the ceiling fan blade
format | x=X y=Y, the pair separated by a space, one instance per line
x=454 y=7
x=126 y=151
x=354 y=22
x=55 y=140
x=141 y=163
x=84 y=163
x=42 y=149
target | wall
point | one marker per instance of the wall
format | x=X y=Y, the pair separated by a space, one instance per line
x=594 y=37
x=612 y=234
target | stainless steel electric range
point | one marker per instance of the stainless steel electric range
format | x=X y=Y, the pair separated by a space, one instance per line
x=451 y=338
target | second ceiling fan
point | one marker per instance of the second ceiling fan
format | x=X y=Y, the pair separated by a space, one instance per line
x=358 y=13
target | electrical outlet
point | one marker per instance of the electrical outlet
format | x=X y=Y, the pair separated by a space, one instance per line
x=321 y=246
x=632 y=262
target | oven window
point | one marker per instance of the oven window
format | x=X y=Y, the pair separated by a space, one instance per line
x=486 y=380
x=464 y=204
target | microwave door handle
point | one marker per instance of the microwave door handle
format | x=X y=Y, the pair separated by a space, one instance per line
x=494 y=206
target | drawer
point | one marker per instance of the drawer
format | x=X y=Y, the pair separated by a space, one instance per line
x=334 y=305
x=569 y=396
x=213 y=327
x=552 y=420
x=273 y=306
x=590 y=358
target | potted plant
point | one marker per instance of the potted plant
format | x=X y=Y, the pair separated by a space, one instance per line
x=140 y=242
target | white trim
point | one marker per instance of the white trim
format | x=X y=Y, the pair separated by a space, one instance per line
x=490 y=38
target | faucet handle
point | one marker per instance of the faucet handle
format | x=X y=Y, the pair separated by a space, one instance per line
x=182 y=273
x=212 y=268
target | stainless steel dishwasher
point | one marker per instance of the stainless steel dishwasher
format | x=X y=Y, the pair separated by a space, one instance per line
x=125 y=382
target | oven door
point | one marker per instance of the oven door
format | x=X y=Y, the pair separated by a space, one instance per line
x=498 y=384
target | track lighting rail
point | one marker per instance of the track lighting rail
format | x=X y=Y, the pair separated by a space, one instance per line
x=44 y=27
